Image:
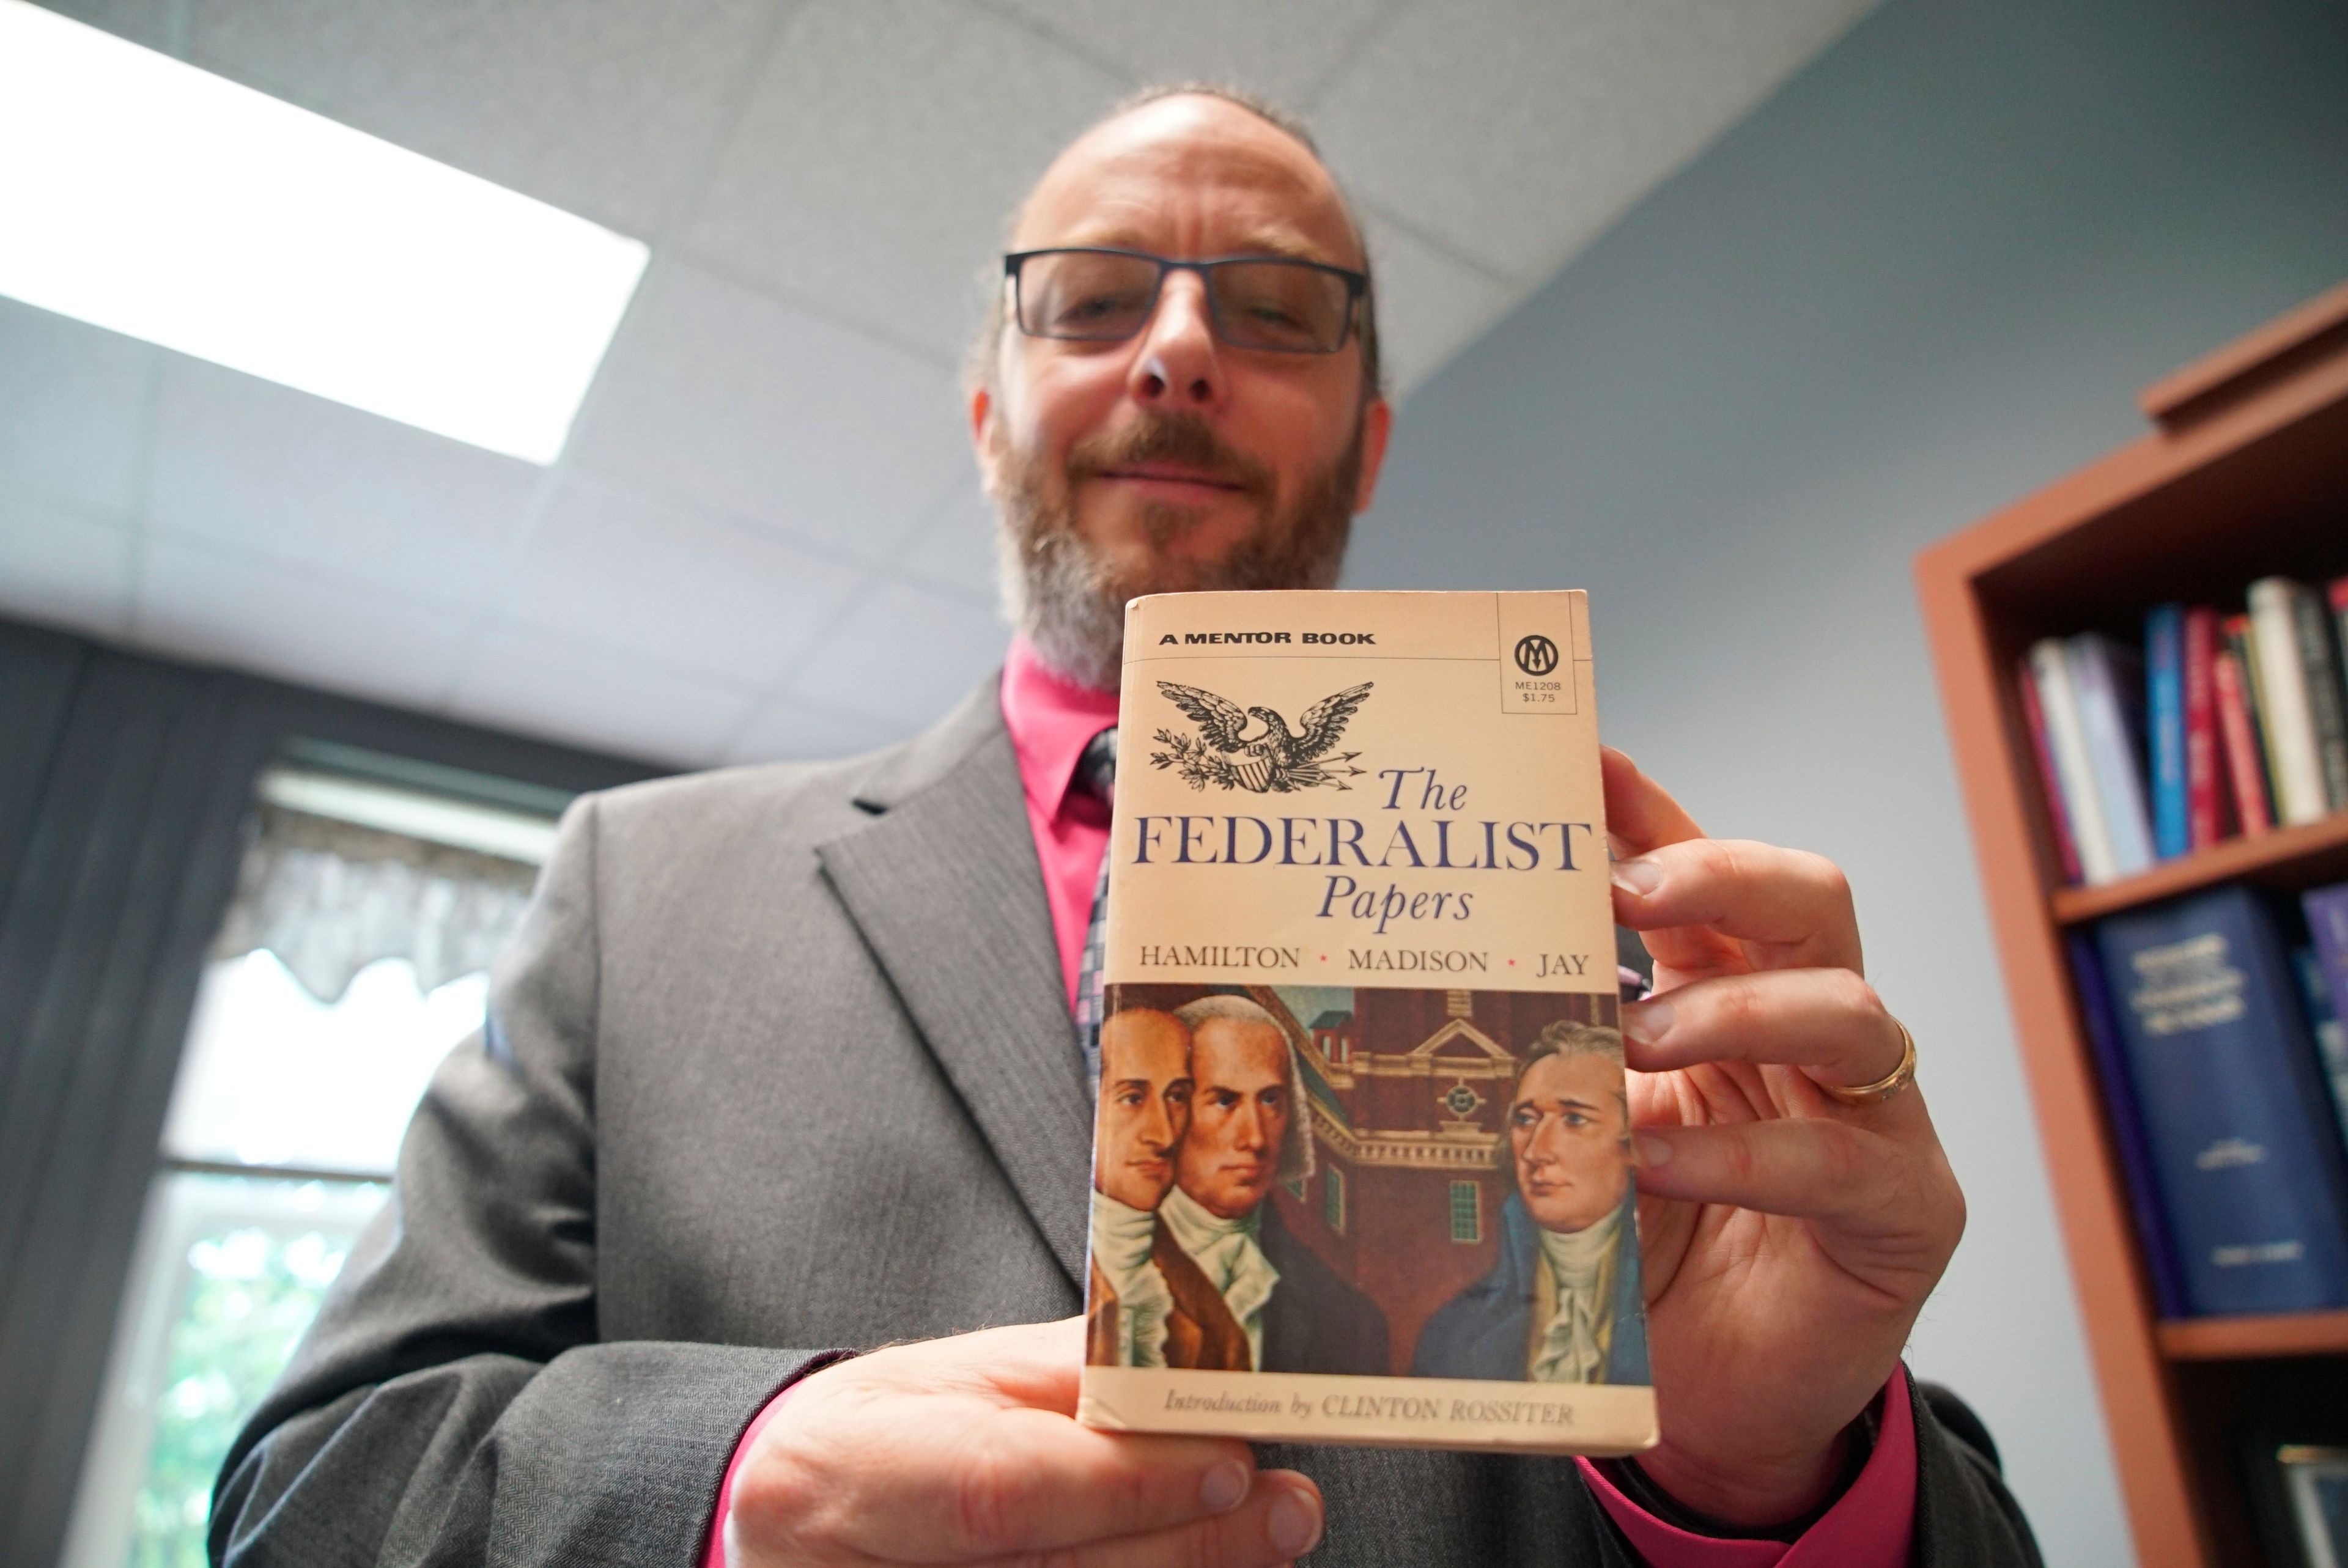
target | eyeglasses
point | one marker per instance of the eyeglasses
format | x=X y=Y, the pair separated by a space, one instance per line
x=1276 y=303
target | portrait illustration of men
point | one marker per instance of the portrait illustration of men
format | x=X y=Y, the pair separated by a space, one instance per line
x=1247 y=1134
x=1562 y=1305
x=1149 y=1305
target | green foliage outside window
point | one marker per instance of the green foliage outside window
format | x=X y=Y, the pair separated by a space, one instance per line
x=248 y=1294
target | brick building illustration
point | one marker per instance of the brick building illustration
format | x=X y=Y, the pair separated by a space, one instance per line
x=1407 y=1093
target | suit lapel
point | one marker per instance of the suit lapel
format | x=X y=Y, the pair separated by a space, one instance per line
x=944 y=884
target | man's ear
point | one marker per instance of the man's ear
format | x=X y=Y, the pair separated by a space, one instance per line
x=983 y=442
x=1377 y=424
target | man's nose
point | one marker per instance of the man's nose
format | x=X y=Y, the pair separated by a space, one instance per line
x=1180 y=368
x=1547 y=1145
x=1158 y=1127
x=1247 y=1133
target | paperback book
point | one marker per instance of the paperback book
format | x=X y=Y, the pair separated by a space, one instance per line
x=1361 y=1168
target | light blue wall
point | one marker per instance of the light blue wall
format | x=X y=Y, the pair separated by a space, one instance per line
x=1923 y=281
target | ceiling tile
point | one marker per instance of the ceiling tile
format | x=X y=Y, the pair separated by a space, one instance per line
x=153 y=24
x=608 y=108
x=874 y=164
x=751 y=407
x=345 y=636
x=63 y=568
x=72 y=400
x=707 y=596
x=265 y=470
x=1430 y=304
x=1282 y=52
x=587 y=694
x=785 y=729
x=956 y=549
x=1518 y=129
x=905 y=654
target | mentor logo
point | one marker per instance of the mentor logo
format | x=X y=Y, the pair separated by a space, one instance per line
x=1536 y=655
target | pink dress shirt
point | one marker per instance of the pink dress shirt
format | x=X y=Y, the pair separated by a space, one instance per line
x=1051 y=720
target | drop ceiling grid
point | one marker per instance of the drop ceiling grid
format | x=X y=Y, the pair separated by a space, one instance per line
x=764 y=538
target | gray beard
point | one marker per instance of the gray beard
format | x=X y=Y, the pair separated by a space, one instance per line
x=1069 y=603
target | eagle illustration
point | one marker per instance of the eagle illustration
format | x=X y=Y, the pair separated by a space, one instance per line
x=1273 y=759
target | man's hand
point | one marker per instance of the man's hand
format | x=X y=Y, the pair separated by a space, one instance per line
x=1789 y=1240
x=963 y=1451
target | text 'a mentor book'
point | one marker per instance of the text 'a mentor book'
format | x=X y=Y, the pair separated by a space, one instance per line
x=1362 y=1166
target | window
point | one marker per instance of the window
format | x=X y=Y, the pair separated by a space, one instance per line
x=1332 y=1198
x=1466 y=1211
x=353 y=956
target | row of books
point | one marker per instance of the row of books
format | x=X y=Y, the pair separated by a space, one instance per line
x=2219 y=725
x=2216 y=1024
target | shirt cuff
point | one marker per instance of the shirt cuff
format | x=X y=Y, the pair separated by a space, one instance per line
x=1867 y=1527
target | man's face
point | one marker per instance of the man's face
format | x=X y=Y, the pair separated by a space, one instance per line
x=1144 y=1105
x=1565 y=1128
x=1171 y=461
x=1239 y=1115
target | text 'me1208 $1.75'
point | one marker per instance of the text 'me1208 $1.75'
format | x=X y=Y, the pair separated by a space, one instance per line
x=1362 y=1166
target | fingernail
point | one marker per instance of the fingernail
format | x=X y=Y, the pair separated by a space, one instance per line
x=1651 y=1150
x=1647 y=1022
x=1295 y=1524
x=1226 y=1485
x=1637 y=877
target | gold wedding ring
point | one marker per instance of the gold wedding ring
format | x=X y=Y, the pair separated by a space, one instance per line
x=1889 y=1084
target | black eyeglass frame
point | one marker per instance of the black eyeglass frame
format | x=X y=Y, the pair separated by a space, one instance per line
x=1357 y=285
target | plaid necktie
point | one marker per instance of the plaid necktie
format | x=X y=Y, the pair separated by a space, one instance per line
x=1095 y=776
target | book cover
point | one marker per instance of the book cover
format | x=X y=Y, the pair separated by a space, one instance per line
x=2327 y=924
x=1361 y=1168
x=2249 y=1167
x=2205 y=783
x=2164 y=677
x=2245 y=774
x=2050 y=780
x=2050 y=668
x=2319 y=665
x=2127 y=1120
x=2286 y=712
x=2110 y=682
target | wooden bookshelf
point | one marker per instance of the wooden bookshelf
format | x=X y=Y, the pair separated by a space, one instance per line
x=2245 y=474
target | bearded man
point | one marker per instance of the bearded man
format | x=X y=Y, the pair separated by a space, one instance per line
x=783 y=1065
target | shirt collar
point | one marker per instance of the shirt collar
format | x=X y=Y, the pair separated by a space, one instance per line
x=1051 y=720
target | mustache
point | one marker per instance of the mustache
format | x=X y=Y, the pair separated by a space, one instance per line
x=1187 y=439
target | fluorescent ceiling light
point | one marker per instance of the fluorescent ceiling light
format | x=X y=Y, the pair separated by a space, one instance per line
x=149 y=198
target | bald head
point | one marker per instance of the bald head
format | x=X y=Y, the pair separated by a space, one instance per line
x=1192 y=135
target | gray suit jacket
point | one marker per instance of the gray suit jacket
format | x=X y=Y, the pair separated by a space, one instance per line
x=781 y=1062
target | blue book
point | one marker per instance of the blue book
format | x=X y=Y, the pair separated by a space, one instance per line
x=2127 y=1120
x=2235 y=1109
x=2164 y=677
x=2327 y=920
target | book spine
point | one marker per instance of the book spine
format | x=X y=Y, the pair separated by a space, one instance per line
x=2052 y=670
x=2205 y=785
x=2245 y=775
x=2236 y=632
x=2283 y=708
x=2249 y=1167
x=2320 y=668
x=2113 y=757
x=2337 y=592
x=2327 y=922
x=2164 y=676
x=2127 y=1120
x=2050 y=780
